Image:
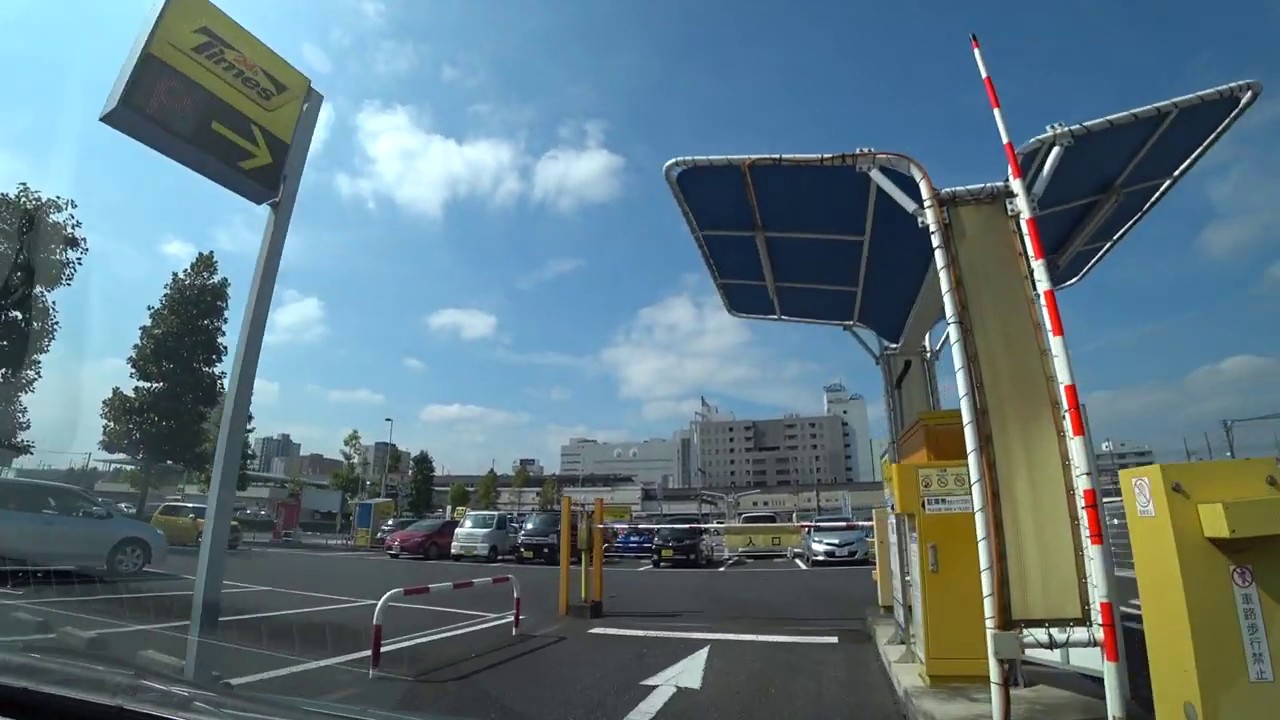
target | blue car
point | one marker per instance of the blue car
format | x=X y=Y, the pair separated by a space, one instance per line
x=633 y=541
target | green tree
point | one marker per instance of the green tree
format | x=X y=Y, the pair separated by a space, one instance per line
x=518 y=481
x=549 y=495
x=422 y=478
x=178 y=381
x=487 y=491
x=348 y=479
x=41 y=249
x=459 y=495
x=296 y=486
x=247 y=455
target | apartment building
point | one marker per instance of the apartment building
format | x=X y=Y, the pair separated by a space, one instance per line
x=793 y=450
x=652 y=463
x=851 y=408
x=267 y=449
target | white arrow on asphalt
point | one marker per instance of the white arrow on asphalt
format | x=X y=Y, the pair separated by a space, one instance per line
x=685 y=674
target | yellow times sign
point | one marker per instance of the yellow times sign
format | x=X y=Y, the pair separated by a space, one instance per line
x=205 y=92
x=206 y=45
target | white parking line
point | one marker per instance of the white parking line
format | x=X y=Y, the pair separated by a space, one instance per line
x=126 y=627
x=325 y=596
x=407 y=641
x=801 y=564
x=122 y=595
x=801 y=639
x=7 y=591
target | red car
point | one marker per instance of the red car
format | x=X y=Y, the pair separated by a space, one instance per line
x=428 y=539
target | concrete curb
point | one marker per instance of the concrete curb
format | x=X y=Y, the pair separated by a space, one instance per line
x=971 y=702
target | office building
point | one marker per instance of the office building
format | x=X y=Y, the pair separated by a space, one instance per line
x=851 y=408
x=1112 y=457
x=306 y=466
x=794 y=450
x=267 y=449
x=651 y=463
x=530 y=465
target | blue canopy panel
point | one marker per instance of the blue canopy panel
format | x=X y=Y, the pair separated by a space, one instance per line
x=805 y=238
x=1114 y=171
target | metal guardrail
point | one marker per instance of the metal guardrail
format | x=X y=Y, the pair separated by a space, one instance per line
x=1118 y=535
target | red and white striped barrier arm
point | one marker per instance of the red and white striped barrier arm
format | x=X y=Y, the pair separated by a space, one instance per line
x=854 y=525
x=375 y=650
x=1069 y=395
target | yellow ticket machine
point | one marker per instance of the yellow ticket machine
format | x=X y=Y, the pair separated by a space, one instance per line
x=1206 y=550
x=947 y=629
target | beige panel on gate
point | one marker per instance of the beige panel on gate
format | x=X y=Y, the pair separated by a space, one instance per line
x=1019 y=395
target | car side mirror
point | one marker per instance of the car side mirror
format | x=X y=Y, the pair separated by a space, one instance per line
x=100 y=513
x=192 y=517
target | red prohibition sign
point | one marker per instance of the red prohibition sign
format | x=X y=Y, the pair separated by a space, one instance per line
x=1242 y=577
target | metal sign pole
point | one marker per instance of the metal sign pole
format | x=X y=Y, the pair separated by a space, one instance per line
x=206 y=604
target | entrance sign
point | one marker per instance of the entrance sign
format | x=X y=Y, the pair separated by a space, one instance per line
x=204 y=92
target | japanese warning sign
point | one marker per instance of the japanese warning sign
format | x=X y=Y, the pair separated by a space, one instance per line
x=945 y=490
x=1253 y=629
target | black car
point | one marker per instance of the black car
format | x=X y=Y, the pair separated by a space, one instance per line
x=391 y=527
x=540 y=538
x=690 y=545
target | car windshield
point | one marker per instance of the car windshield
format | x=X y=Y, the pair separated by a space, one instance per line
x=542 y=521
x=479 y=521
x=317 y=272
x=677 y=534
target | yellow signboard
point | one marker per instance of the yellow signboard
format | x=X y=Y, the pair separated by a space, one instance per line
x=761 y=540
x=203 y=43
x=617 y=513
x=205 y=92
x=459 y=512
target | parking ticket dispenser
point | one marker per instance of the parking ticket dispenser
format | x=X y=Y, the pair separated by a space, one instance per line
x=1206 y=551
x=946 y=608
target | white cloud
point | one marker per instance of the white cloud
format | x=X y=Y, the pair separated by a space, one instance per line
x=1271 y=276
x=297 y=319
x=414 y=364
x=683 y=346
x=466 y=323
x=1162 y=413
x=265 y=392
x=375 y=11
x=550 y=270
x=394 y=57
x=238 y=236
x=355 y=396
x=469 y=414
x=570 y=176
x=423 y=171
x=316 y=58
x=456 y=74
x=324 y=128
x=547 y=358
x=1242 y=194
x=178 y=250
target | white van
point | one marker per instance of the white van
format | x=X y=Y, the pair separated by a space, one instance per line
x=484 y=533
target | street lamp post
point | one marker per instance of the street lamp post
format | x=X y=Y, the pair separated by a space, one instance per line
x=386 y=464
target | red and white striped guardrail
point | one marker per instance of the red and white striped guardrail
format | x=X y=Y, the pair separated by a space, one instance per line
x=375 y=651
x=854 y=525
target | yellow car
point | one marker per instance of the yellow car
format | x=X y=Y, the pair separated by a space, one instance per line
x=183 y=524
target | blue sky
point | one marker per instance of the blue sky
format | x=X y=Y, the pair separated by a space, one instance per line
x=485 y=250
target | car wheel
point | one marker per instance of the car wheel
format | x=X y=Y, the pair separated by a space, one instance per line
x=551 y=560
x=128 y=558
x=519 y=558
x=492 y=555
x=655 y=562
x=432 y=552
x=455 y=558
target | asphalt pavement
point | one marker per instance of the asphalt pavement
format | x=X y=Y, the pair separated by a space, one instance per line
x=760 y=638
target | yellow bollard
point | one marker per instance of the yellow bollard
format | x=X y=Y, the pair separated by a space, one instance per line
x=597 y=550
x=566 y=550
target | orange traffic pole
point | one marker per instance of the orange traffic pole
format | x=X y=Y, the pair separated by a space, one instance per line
x=597 y=551
x=566 y=552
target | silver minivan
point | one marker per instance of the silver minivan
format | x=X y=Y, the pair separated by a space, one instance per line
x=53 y=525
x=484 y=533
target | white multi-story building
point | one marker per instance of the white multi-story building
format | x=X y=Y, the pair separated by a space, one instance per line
x=793 y=450
x=1114 y=456
x=652 y=463
x=851 y=408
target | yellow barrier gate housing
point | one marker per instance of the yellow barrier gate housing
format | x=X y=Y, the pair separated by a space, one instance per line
x=946 y=605
x=1206 y=548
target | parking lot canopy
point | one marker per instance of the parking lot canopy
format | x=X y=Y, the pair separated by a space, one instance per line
x=811 y=238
